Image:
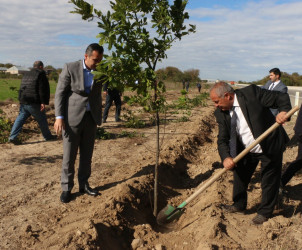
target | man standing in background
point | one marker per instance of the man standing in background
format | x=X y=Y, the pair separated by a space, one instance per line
x=198 y=86
x=187 y=86
x=34 y=95
x=275 y=84
x=112 y=94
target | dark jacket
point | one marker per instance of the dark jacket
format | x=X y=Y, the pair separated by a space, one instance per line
x=279 y=87
x=111 y=91
x=34 y=88
x=298 y=125
x=255 y=104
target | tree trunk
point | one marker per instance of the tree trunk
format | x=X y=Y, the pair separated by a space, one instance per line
x=157 y=154
x=156 y=165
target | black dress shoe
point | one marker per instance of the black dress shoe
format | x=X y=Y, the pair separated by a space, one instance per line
x=15 y=141
x=65 y=196
x=88 y=190
x=51 y=138
x=259 y=219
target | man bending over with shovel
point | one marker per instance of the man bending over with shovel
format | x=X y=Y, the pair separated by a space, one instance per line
x=242 y=116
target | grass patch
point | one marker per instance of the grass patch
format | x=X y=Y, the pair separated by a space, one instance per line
x=9 y=89
x=102 y=134
x=130 y=134
x=183 y=119
x=132 y=121
x=185 y=103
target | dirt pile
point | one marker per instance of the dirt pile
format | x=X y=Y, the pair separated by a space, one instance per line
x=32 y=216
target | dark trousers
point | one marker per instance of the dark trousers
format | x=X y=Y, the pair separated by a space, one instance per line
x=26 y=110
x=270 y=179
x=292 y=168
x=118 y=104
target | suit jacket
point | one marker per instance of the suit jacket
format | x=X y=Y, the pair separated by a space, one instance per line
x=71 y=98
x=279 y=87
x=255 y=103
x=298 y=125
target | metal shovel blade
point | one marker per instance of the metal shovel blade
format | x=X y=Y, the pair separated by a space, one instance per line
x=169 y=214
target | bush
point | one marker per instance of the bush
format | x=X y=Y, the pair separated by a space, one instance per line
x=5 y=127
x=102 y=134
x=132 y=121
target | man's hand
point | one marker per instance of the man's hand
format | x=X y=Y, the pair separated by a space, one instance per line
x=42 y=107
x=228 y=163
x=281 y=117
x=59 y=126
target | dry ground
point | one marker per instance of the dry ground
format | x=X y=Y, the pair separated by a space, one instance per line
x=32 y=217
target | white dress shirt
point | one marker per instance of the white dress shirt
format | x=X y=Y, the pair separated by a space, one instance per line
x=273 y=85
x=243 y=130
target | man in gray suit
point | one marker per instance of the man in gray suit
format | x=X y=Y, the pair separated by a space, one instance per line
x=78 y=110
x=275 y=84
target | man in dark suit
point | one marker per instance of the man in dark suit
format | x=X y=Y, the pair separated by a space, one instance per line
x=112 y=94
x=296 y=165
x=275 y=84
x=250 y=108
x=78 y=110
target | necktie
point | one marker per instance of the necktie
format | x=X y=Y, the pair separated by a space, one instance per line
x=271 y=86
x=233 y=137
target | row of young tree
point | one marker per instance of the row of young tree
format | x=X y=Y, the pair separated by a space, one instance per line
x=174 y=74
x=169 y=73
x=6 y=65
x=165 y=74
x=293 y=79
x=52 y=73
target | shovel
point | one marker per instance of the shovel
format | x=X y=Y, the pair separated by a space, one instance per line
x=170 y=213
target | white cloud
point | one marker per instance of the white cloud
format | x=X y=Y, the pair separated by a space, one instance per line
x=242 y=45
x=232 y=44
x=32 y=29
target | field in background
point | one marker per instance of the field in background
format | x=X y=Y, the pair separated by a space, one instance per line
x=9 y=88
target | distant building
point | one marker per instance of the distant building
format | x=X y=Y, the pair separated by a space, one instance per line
x=211 y=80
x=17 y=70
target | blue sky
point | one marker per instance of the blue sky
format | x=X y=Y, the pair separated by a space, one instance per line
x=234 y=39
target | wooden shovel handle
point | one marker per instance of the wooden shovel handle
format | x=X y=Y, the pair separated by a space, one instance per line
x=240 y=156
